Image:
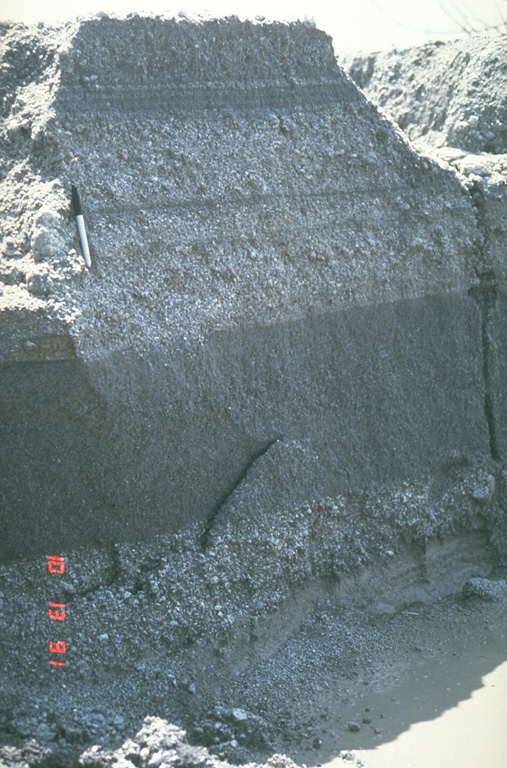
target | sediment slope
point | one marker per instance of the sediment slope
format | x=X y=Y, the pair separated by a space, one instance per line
x=449 y=94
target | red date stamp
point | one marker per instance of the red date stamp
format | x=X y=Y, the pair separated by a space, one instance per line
x=56 y=612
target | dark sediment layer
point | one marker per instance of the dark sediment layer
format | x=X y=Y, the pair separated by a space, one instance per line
x=138 y=444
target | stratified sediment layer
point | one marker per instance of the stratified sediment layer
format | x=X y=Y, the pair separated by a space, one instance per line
x=230 y=173
x=277 y=276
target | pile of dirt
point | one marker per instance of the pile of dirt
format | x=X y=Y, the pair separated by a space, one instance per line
x=449 y=94
x=237 y=178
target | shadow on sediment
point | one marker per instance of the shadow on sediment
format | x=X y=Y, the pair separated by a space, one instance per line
x=379 y=714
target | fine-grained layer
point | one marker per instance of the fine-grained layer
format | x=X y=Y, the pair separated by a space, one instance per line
x=136 y=444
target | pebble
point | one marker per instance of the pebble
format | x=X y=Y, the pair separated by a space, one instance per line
x=353 y=726
x=384 y=609
x=485 y=589
x=44 y=732
x=239 y=715
x=473 y=168
x=484 y=492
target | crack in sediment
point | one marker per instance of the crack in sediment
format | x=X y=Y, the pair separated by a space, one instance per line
x=239 y=479
x=484 y=295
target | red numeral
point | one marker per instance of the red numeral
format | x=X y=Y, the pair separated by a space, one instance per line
x=56 y=564
x=56 y=611
x=59 y=647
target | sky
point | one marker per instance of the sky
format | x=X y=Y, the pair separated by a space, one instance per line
x=366 y=25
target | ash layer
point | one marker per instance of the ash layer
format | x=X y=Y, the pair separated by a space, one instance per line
x=266 y=422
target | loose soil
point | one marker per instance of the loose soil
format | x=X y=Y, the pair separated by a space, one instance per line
x=447 y=705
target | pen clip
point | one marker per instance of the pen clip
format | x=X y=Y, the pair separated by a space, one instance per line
x=76 y=202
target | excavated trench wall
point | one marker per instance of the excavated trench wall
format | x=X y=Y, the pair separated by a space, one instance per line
x=283 y=304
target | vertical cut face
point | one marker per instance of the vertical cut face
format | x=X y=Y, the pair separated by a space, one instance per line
x=230 y=173
x=233 y=173
x=271 y=261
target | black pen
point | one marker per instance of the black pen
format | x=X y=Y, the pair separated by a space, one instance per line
x=78 y=213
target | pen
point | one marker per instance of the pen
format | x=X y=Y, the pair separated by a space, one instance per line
x=78 y=213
